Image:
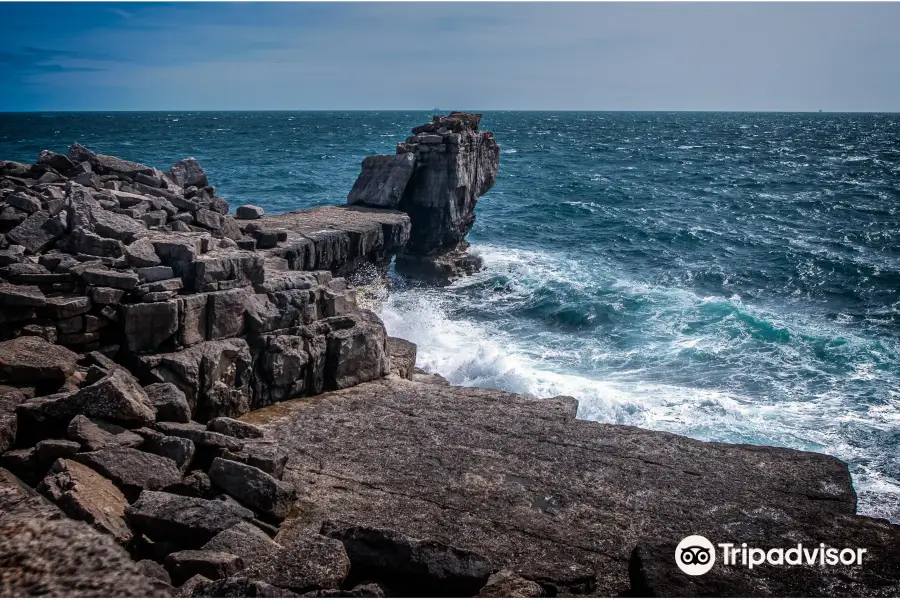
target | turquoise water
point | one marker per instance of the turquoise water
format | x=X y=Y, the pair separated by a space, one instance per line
x=731 y=277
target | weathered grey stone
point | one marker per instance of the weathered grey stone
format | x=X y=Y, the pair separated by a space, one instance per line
x=48 y=451
x=170 y=402
x=233 y=428
x=308 y=563
x=209 y=219
x=95 y=434
x=191 y=522
x=60 y=162
x=246 y=540
x=152 y=274
x=104 y=164
x=85 y=495
x=382 y=181
x=195 y=484
x=132 y=470
x=39 y=231
x=249 y=212
x=32 y=360
x=187 y=589
x=177 y=449
x=240 y=587
x=87 y=242
x=147 y=326
x=226 y=313
x=141 y=253
x=24 y=201
x=200 y=435
x=106 y=296
x=253 y=487
x=154 y=570
x=107 y=278
x=21 y=296
x=66 y=306
x=66 y=558
x=356 y=350
x=188 y=172
x=118 y=227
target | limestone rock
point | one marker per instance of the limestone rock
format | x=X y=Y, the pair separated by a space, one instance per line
x=170 y=402
x=234 y=428
x=249 y=212
x=309 y=563
x=188 y=172
x=506 y=584
x=356 y=350
x=32 y=360
x=240 y=587
x=253 y=487
x=246 y=540
x=85 y=495
x=190 y=522
x=39 y=231
x=154 y=570
x=142 y=254
x=104 y=164
x=383 y=180
x=403 y=357
x=132 y=470
x=148 y=326
x=95 y=434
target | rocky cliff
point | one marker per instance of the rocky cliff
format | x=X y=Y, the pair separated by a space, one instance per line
x=436 y=177
x=194 y=404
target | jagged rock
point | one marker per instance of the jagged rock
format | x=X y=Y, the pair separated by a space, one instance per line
x=95 y=434
x=142 y=253
x=440 y=269
x=214 y=376
x=367 y=590
x=411 y=566
x=24 y=202
x=64 y=307
x=118 y=227
x=253 y=487
x=506 y=584
x=154 y=274
x=190 y=522
x=122 y=280
x=85 y=495
x=195 y=484
x=209 y=219
x=104 y=164
x=287 y=368
x=188 y=172
x=21 y=296
x=187 y=589
x=356 y=350
x=170 y=402
x=214 y=565
x=403 y=357
x=233 y=428
x=383 y=180
x=200 y=436
x=32 y=360
x=246 y=540
x=154 y=570
x=265 y=456
x=225 y=312
x=89 y=243
x=9 y=400
x=66 y=558
x=309 y=563
x=60 y=162
x=147 y=326
x=422 y=376
x=178 y=449
x=48 y=451
x=132 y=470
x=249 y=212
x=38 y=231
x=12 y=255
x=10 y=217
x=116 y=397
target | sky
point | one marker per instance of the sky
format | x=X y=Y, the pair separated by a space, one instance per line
x=452 y=56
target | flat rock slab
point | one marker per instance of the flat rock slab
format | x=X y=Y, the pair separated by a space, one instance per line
x=34 y=360
x=190 y=522
x=559 y=501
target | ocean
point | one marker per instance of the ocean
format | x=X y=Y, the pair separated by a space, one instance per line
x=727 y=276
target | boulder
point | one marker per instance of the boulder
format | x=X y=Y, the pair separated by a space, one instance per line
x=195 y=484
x=38 y=231
x=253 y=487
x=249 y=212
x=240 y=587
x=142 y=253
x=67 y=306
x=170 y=402
x=214 y=565
x=95 y=434
x=107 y=165
x=9 y=400
x=409 y=566
x=59 y=162
x=308 y=563
x=154 y=570
x=233 y=428
x=32 y=360
x=47 y=451
x=147 y=326
x=383 y=180
x=177 y=449
x=66 y=558
x=121 y=280
x=190 y=522
x=198 y=434
x=245 y=540
x=85 y=495
x=106 y=296
x=20 y=296
x=132 y=470
x=195 y=583
x=403 y=357
x=356 y=350
x=188 y=172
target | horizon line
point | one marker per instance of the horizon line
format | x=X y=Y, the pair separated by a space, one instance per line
x=432 y=110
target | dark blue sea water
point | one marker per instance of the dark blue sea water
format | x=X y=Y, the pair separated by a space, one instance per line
x=730 y=277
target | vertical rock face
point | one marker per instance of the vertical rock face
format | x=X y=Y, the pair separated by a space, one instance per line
x=452 y=164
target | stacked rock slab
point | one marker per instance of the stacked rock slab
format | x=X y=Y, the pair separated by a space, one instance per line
x=436 y=178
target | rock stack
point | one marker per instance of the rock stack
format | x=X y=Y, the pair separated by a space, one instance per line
x=436 y=178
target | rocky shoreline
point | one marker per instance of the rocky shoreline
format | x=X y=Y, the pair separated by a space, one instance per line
x=194 y=404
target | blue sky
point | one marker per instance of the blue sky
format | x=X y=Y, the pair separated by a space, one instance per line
x=542 y=56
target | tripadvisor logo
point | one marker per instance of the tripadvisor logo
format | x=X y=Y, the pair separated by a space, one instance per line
x=696 y=555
